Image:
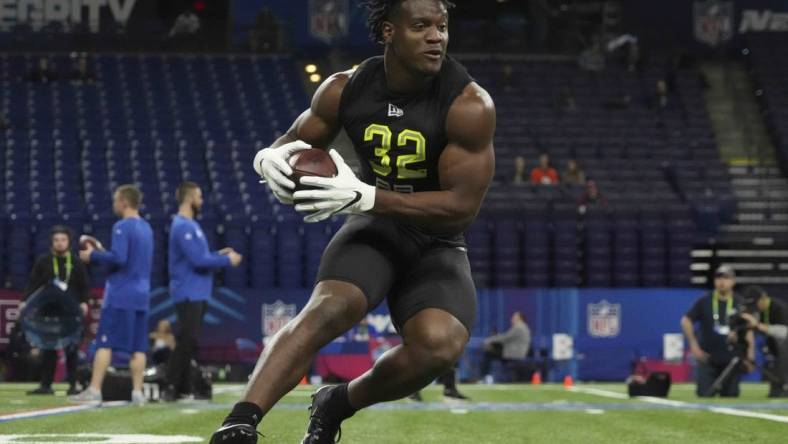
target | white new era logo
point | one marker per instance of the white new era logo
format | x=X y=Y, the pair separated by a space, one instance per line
x=395 y=112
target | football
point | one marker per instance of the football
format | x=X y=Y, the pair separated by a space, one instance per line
x=311 y=162
x=86 y=240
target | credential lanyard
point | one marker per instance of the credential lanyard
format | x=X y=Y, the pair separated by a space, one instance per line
x=56 y=267
x=715 y=306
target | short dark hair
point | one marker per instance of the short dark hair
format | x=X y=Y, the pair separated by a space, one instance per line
x=184 y=189
x=380 y=11
x=752 y=293
x=60 y=229
x=131 y=194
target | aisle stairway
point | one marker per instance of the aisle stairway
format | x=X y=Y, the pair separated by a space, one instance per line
x=755 y=242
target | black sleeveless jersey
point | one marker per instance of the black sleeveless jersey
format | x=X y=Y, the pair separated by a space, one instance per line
x=399 y=137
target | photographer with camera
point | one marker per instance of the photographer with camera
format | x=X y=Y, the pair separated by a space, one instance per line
x=719 y=343
x=772 y=322
x=57 y=267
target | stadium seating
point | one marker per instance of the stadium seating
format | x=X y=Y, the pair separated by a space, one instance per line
x=769 y=63
x=156 y=120
x=659 y=171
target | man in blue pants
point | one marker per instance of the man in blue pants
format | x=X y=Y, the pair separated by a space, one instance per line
x=191 y=281
x=124 y=315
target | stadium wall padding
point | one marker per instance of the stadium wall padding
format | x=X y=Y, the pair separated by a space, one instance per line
x=611 y=328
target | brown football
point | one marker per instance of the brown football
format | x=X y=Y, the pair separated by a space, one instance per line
x=85 y=239
x=311 y=162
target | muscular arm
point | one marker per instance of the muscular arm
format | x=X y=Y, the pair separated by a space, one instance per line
x=319 y=124
x=466 y=167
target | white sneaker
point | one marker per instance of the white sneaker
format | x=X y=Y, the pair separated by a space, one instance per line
x=87 y=396
x=488 y=379
x=137 y=398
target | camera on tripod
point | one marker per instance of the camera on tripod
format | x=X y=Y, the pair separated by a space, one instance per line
x=739 y=325
x=738 y=345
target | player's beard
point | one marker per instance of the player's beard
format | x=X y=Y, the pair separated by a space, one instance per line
x=196 y=210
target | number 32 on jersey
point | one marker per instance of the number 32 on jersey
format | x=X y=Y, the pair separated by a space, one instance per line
x=406 y=139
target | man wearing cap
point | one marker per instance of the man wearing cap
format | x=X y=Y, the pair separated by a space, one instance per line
x=712 y=346
x=772 y=322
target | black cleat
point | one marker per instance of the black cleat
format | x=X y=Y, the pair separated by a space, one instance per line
x=323 y=421
x=41 y=390
x=454 y=395
x=235 y=434
x=169 y=394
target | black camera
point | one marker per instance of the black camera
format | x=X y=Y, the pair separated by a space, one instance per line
x=736 y=321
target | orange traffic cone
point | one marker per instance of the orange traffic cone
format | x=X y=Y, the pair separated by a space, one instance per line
x=304 y=381
x=568 y=382
x=536 y=379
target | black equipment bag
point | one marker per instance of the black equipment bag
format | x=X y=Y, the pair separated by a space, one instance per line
x=657 y=385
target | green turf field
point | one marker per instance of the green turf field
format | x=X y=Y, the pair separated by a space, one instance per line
x=590 y=413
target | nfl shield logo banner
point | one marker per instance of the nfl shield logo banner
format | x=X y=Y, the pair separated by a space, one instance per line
x=276 y=315
x=713 y=22
x=604 y=319
x=328 y=19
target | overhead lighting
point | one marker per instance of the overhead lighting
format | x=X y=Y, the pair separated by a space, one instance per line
x=310 y=68
x=315 y=78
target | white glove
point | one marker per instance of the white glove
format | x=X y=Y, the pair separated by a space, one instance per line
x=341 y=194
x=271 y=164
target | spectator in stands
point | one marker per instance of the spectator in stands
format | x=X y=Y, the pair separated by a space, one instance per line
x=506 y=76
x=592 y=196
x=82 y=73
x=163 y=342
x=544 y=174
x=660 y=100
x=511 y=345
x=573 y=175
x=519 y=171
x=58 y=267
x=566 y=99
x=624 y=47
x=4 y=125
x=42 y=73
x=712 y=344
x=593 y=58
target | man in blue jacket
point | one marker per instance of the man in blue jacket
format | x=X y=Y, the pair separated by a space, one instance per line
x=124 y=315
x=191 y=281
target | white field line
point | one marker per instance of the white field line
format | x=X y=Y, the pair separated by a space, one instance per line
x=598 y=392
x=681 y=404
x=220 y=389
x=58 y=410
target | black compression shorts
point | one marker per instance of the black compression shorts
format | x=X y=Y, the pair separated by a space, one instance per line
x=412 y=270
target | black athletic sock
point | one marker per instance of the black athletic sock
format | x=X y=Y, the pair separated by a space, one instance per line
x=244 y=413
x=449 y=381
x=341 y=403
